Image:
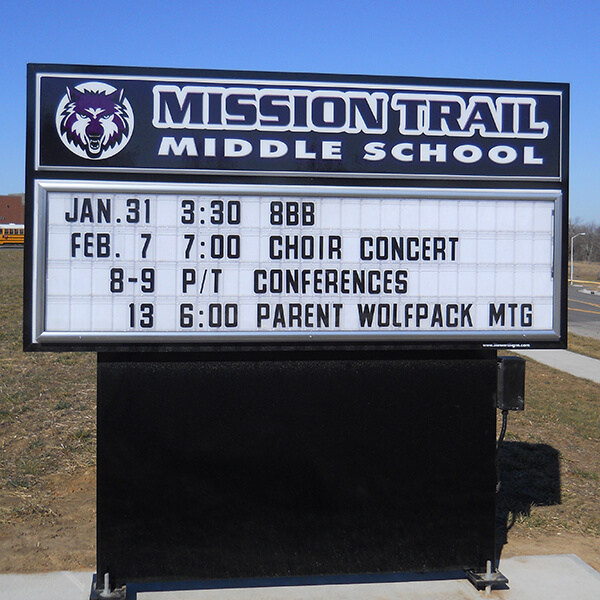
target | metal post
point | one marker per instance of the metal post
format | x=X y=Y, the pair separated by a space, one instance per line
x=572 y=239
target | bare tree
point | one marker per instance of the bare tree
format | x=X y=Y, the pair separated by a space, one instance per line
x=586 y=248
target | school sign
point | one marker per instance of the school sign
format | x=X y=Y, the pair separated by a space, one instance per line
x=202 y=208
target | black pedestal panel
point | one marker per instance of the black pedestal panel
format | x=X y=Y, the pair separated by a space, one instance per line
x=212 y=468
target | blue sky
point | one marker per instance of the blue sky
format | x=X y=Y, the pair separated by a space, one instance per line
x=521 y=40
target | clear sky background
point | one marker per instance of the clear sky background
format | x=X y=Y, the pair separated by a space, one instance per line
x=521 y=40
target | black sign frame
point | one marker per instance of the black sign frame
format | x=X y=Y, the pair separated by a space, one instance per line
x=435 y=126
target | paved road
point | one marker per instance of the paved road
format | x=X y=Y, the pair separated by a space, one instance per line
x=584 y=311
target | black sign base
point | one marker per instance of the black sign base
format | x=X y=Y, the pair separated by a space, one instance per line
x=294 y=464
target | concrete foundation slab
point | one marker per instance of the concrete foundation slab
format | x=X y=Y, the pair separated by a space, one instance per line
x=553 y=577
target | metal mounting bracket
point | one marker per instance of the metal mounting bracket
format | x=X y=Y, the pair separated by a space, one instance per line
x=105 y=593
x=488 y=580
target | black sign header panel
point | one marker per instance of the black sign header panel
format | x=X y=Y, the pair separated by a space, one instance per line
x=184 y=122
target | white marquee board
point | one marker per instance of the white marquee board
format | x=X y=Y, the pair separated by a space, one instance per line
x=172 y=263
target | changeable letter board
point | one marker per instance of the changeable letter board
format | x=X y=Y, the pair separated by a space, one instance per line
x=139 y=233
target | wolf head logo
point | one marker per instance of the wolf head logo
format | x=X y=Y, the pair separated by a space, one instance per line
x=94 y=120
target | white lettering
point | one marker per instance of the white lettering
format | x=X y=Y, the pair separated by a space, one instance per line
x=467 y=153
x=438 y=152
x=210 y=147
x=503 y=155
x=329 y=110
x=302 y=152
x=216 y=107
x=374 y=151
x=186 y=145
x=237 y=148
x=530 y=159
x=272 y=148
x=403 y=152
x=332 y=150
x=449 y=115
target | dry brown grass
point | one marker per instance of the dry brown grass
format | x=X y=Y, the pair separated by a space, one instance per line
x=587 y=271
x=552 y=456
x=47 y=429
x=584 y=345
x=47 y=401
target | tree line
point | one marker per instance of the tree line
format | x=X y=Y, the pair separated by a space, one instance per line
x=586 y=247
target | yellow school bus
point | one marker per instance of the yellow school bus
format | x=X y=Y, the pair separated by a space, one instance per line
x=12 y=234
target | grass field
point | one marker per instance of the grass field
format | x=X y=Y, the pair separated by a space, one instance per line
x=584 y=345
x=550 y=462
x=586 y=271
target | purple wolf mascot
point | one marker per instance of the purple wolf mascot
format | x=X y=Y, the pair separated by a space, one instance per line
x=95 y=120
